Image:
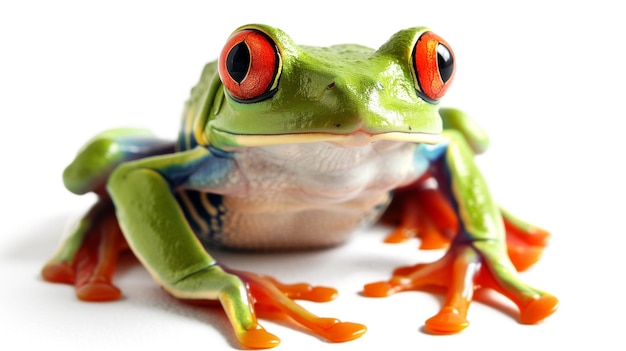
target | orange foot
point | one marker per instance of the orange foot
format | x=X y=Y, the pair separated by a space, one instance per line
x=275 y=300
x=93 y=266
x=464 y=268
x=423 y=211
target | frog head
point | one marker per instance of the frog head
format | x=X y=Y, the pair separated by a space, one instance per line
x=269 y=91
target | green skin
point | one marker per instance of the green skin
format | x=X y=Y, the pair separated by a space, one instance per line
x=378 y=84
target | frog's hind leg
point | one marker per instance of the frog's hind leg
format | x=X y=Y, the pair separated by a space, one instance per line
x=96 y=262
x=478 y=253
x=423 y=211
x=88 y=257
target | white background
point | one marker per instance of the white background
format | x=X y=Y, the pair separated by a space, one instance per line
x=545 y=78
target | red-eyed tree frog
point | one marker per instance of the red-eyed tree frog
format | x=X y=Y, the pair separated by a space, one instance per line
x=286 y=147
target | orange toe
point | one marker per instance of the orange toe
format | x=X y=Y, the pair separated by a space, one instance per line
x=378 y=289
x=448 y=321
x=400 y=235
x=523 y=256
x=258 y=339
x=58 y=272
x=344 y=331
x=539 y=309
x=320 y=294
x=98 y=292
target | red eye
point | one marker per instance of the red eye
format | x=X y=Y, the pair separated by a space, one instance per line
x=433 y=62
x=249 y=66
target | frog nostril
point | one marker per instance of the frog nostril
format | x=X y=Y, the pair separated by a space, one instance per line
x=331 y=85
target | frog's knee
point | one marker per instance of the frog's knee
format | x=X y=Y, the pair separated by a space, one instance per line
x=102 y=154
x=91 y=166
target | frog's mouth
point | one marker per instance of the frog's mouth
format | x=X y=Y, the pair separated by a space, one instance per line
x=358 y=138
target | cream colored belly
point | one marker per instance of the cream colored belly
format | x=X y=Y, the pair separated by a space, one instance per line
x=310 y=195
x=299 y=228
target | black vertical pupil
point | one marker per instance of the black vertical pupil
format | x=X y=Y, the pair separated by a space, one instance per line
x=238 y=61
x=445 y=62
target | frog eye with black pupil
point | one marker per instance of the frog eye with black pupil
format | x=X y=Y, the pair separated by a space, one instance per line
x=249 y=66
x=433 y=64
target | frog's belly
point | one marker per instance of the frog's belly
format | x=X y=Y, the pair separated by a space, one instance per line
x=300 y=229
x=223 y=222
x=301 y=196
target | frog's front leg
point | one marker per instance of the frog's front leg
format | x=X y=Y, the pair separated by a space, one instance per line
x=477 y=256
x=275 y=300
x=158 y=233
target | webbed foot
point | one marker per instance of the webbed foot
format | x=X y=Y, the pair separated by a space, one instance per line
x=464 y=268
x=91 y=268
x=273 y=299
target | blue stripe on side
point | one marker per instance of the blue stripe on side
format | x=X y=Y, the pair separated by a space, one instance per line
x=186 y=139
x=433 y=152
x=205 y=214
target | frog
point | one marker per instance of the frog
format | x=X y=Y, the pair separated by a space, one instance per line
x=286 y=147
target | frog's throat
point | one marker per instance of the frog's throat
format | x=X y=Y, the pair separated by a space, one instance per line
x=229 y=140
